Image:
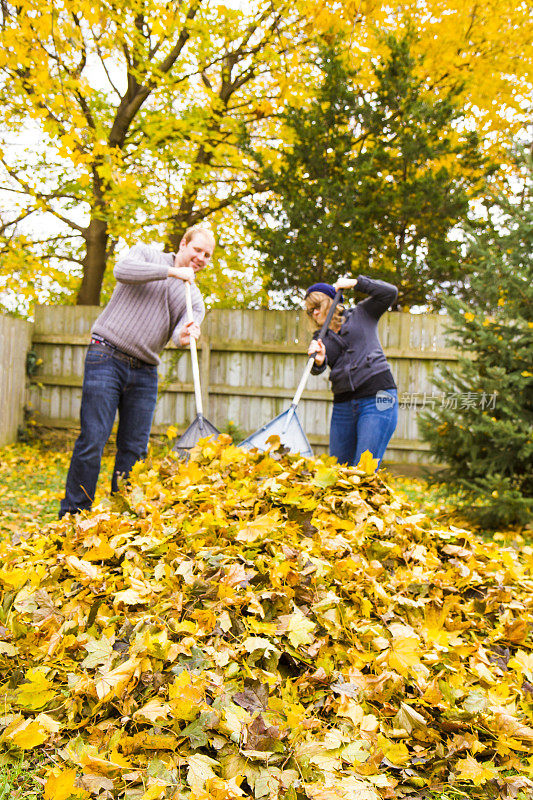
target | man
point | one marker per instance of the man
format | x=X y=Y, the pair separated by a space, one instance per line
x=147 y=308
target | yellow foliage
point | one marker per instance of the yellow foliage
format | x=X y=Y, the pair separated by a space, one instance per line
x=469 y=769
x=184 y=697
x=36 y=692
x=368 y=463
x=61 y=785
x=25 y=734
x=122 y=169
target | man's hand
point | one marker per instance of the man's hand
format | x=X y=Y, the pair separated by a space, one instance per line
x=188 y=330
x=345 y=283
x=317 y=346
x=183 y=273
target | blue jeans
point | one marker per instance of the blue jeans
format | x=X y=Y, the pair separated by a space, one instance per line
x=364 y=424
x=112 y=381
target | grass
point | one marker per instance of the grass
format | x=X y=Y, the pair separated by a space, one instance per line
x=32 y=482
x=19 y=780
x=441 y=505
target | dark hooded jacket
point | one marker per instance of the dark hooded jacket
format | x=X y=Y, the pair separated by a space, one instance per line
x=355 y=354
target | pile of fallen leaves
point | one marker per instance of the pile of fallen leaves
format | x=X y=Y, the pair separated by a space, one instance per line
x=265 y=626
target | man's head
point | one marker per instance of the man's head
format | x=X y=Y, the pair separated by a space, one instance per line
x=196 y=248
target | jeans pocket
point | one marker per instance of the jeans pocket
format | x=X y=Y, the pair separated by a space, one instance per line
x=98 y=354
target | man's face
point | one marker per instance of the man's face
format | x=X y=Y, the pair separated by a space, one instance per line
x=197 y=252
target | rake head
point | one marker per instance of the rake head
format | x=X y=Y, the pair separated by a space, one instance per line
x=199 y=428
x=289 y=429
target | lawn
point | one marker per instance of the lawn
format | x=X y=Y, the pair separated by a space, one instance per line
x=32 y=480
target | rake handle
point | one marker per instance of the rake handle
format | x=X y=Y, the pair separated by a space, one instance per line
x=194 y=353
x=333 y=306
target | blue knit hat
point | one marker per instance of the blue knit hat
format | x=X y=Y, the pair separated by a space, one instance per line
x=325 y=288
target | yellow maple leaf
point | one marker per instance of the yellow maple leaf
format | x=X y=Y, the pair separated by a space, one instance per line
x=152 y=711
x=434 y=630
x=25 y=734
x=115 y=682
x=295 y=714
x=100 y=651
x=37 y=691
x=155 y=792
x=15 y=578
x=184 y=697
x=368 y=463
x=100 y=550
x=200 y=770
x=349 y=708
x=61 y=784
x=522 y=662
x=395 y=752
x=469 y=769
x=93 y=761
x=218 y=789
x=83 y=570
x=509 y=724
x=342 y=789
x=404 y=654
x=48 y=723
x=325 y=476
x=259 y=527
x=369 y=723
x=300 y=629
x=232 y=455
x=185 y=626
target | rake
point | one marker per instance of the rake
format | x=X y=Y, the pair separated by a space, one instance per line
x=287 y=425
x=200 y=427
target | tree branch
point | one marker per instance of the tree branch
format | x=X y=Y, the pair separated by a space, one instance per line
x=29 y=190
x=137 y=94
x=22 y=216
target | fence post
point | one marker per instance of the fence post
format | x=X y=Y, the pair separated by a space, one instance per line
x=15 y=339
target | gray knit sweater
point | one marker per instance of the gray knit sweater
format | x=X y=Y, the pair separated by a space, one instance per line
x=147 y=307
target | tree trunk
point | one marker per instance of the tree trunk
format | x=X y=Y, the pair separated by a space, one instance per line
x=94 y=263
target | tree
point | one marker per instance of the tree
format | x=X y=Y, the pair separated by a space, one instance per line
x=482 y=48
x=135 y=113
x=485 y=442
x=373 y=181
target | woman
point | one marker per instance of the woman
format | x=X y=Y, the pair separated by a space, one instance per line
x=365 y=397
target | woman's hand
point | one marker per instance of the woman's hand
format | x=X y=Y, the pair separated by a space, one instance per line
x=345 y=283
x=183 y=273
x=318 y=350
x=188 y=330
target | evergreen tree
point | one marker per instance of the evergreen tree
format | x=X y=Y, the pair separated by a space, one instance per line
x=486 y=441
x=373 y=182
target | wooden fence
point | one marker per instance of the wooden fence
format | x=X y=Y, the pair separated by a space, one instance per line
x=15 y=338
x=250 y=365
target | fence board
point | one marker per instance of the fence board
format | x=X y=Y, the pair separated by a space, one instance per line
x=250 y=363
x=15 y=338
